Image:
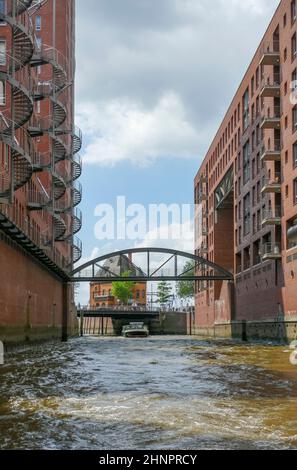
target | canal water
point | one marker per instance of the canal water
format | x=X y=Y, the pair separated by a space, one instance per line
x=156 y=393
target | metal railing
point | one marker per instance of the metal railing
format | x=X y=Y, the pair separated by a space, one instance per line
x=272 y=180
x=273 y=80
x=271 y=47
x=275 y=213
x=271 y=113
x=271 y=249
x=274 y=146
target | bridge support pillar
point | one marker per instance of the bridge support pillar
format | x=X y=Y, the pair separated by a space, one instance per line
x=81 y=323
x=66 y=310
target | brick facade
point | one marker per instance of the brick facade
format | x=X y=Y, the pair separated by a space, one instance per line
x=246 y=189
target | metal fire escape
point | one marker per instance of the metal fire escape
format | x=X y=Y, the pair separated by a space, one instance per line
x=65 y=194
x=13 y=71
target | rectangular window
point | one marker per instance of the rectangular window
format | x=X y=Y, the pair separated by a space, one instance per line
x=38 y=23
x=2 y=10
x=2 y=52
x=295 y=191
x=294 y=46
x=245 y=111
x=246 y=163
x=38 y=43
x=294 y=118
x=293 y=11
x=295 y=155
x=3 y=6
x=2 y=93
x=247 y=214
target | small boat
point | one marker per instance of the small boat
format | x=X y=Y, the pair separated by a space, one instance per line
x=135 y=330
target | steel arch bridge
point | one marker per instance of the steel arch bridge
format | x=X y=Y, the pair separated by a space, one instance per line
x=149 y=265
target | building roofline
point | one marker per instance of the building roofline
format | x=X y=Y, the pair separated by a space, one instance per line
x=238 y=88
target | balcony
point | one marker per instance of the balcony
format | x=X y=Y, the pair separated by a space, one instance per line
x=203 y=249
x=270 y=55
x=204 y=231
x=203 y=179
x=272 y=153
x=201 y=197
x=272 y=217
x=272 y=184
x=271 y=119
x=271 y=251
x=271 y=86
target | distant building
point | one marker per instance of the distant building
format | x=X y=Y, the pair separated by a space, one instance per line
x=101 y=292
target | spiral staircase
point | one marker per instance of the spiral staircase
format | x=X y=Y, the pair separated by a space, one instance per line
x=14 y=72
x=66 y=194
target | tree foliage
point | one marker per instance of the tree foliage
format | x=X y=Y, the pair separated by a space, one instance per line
x=164 y=293
x=123 y=290
x=185 y=289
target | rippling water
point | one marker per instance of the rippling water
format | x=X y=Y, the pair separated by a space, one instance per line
x=156 y=393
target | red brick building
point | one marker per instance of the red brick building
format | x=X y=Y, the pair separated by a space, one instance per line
x=101 y=292
x=246 y=191
x=39 y=167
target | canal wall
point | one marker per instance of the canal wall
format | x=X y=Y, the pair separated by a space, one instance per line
x=282 y=331
x=32 y=299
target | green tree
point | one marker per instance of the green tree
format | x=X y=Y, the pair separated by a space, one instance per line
x=164 y=293
x=123 y=290
x=185 y=289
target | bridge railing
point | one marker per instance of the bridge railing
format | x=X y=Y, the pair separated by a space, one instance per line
x=116 y=309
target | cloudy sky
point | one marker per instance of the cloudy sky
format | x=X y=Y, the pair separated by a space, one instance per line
x=154 y=79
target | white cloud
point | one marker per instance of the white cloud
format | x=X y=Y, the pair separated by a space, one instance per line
x=123 y=130
x=155 y=82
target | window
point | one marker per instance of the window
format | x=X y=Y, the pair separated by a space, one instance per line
x=247 y=214
x=293 y=11
x=245 y=102
x=38 y=43
x=2 y=9
x=246 y=163
x=294 y=46
x=2 y=52
x=38 y=23
x=285 y=20
x=295 y=155
x=294 y=118
x=257 y=77
x=2 y=93
x=295 y=191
